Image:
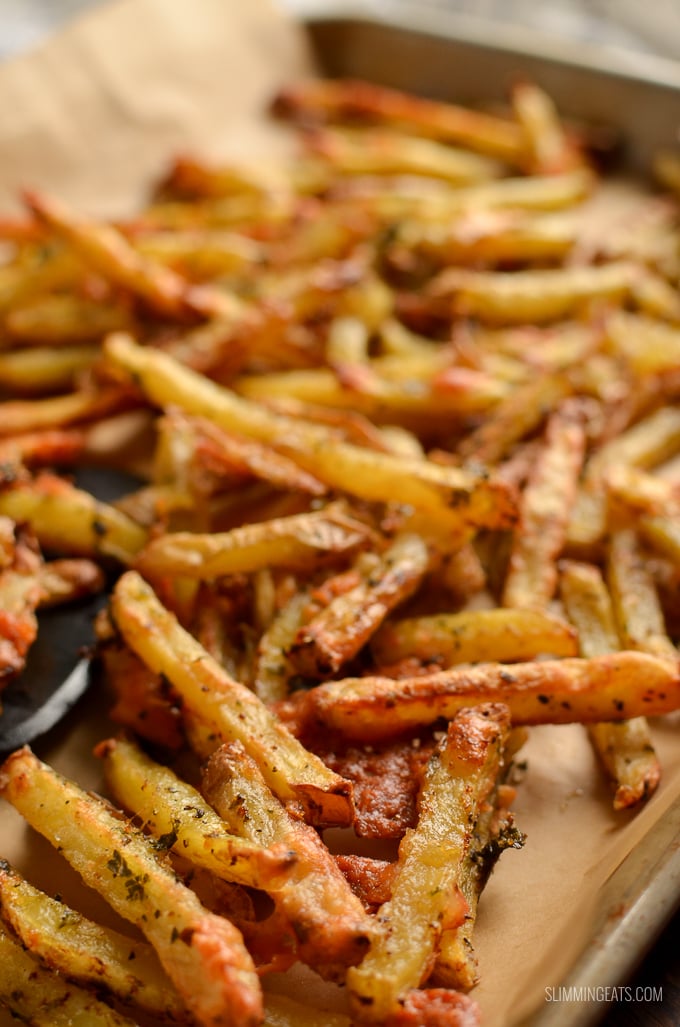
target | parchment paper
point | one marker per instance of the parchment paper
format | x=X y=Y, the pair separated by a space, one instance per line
x=95 y=115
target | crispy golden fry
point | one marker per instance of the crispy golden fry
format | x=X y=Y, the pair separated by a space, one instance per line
x=40 y=272
x=617 y=686
x=36 y=996
x=381 y=152
x=355 y=99
x=523 y=410
x=273 y=668
x=143 y=702
x=178 y=817
x=454 y=497
x=535 y=296
x=203 y=954
x=30 y=415
x=474 y=636
x=63 y=319
x=232 y=710
x=201 y=254
x=494 y=237
x=224 y=453
x=625 y=748
x=71 y=521
x=428 y=1007
x=649 y=346
x=637 y=609
x=425 y=896
x=330 y=925
x=337 y=634
x=550 y=149
x=646 y=444
x=49 y=447
x=544 y=512
x=494 y=831
x=652 y=502
x=109 y=253
x=365 y=388
x=81 y=950
x=38 y=370
x=296 y=542
x=399 y=202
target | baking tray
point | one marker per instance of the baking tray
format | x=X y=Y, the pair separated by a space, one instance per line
x=439 y=53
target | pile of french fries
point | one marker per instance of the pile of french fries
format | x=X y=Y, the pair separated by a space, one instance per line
x=403 y=418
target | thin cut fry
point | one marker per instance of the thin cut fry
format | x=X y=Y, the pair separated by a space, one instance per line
x=176 y=814
x=329 y=921
x=459 y=777
x=81 y=950
x=36 y=996
x=625 y=748
x=474 y=636
x=296 y=542
x=233 y=711
x=337 y=634
x=544 y=512
x=617 y=686
x=202 y=953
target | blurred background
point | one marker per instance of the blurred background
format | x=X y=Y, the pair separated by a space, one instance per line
x=625 y=24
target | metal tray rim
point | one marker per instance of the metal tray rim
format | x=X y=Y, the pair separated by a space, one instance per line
x=428 y=18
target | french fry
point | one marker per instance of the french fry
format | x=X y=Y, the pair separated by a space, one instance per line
x=451 y=495
x=549 y=147
x=544 y=512
x=29 y=415
x=617 y=686
x=459 y=777
x=329 y=921
x=109 y=253
x=648 y=345
x=494 y=831
x=381 y=152
x=653 y=504
x=273 y=668
x=637 y=609
x=192 y=944
x=70 y=520
x=474 y=636
x=223 y=452
x=295 y=542
x=40 y=370
x=493 y=237
x=513 y=418
x=536 y=296
x=36 y=996
x=83 y=951
x=178 y=817
x=645 y=444
x=63 y=319
x=625 y=748
x=233 y=711
x=345 y=100
x=550 y=192
x=335 y=635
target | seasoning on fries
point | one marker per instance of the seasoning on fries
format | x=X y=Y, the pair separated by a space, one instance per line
x=407 y=440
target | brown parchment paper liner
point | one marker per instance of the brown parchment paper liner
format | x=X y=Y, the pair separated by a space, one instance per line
x=94 y=115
